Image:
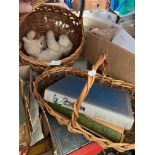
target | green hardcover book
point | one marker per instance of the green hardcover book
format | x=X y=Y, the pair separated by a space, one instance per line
x=90 y=124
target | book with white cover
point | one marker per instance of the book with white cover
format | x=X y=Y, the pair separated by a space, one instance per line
x=103 y=102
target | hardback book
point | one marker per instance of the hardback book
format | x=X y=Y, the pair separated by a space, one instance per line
x=64 y=141
x=100 y=129
x=67 y=143
x=102 y=102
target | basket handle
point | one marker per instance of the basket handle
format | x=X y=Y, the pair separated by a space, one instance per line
x=82 y=9
x=90 y=80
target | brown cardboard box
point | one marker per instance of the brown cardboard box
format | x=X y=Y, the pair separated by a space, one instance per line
x=90 y=23
x=96 y=4
x=121 y=62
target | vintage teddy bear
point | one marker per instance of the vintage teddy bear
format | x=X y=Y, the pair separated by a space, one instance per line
x=52 y=50
x=55 y=49
x=65 y=44
x=33 y=46
x=51 y=41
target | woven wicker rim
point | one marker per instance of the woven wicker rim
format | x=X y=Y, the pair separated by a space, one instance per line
x=73 y=125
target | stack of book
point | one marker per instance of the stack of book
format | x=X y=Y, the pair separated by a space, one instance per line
x=106 y=111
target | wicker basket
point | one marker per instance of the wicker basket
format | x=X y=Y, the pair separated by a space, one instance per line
x=50 y=76
x=60 y=20
x=25 y=129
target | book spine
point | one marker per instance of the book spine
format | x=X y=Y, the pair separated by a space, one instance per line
x=90 y=110
x=92 y=125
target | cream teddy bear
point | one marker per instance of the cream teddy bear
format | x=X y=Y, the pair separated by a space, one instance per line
x=55 y=49
x=48 y=55
x=52 y=52
x=51 y=41
x=65 y=44
x=33 y=46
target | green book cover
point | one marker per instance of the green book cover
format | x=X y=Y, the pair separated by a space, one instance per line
x=90 y=124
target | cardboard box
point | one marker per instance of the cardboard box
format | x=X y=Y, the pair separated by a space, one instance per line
x=90 y=22
x=96 y=4
x=121 y=62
